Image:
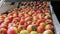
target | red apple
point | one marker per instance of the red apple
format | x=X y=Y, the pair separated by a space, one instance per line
x=29 y=22
x=34 y=3
x=27 y=18
x=19 y=15
x=26 y=15
x=40 y=20
x=38 y=2
x=3 y=25
x=40 y=29
x=41 y=16
x=20 y=9
x=44 y=3
x=15 y=15
x=47 y=11
x=48 y=21
x=3 y=31
x=31 y=28
x=39 y=11
x=20 y=27
x=21 y=22
x=49 y=27
x=9 y=25
x=25 y=25
x=36 y=24
x=46 y=17
x=10 y=14
x=8 y=19
x=12 y=30
x=0 y=23
x=15 y=20
x=1 y=20
x=12 y=24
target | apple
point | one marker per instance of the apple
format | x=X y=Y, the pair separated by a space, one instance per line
x=10 y=13
x=24 y=32
x=48 y=21
x=19 y=14
x=41 y=15
x=36 y=24
x=31 y=28
x=0 y=31
x=12 y=30
x=20 y=27
x=27 y=18
x=49 y=27
x=35 y=18
x=43 y=24
x=15 y=15
x=25 y=25
x=12 y=24
x=48 y=14
x=1 y=20
x=0 y=23
x=38 y=2
x=40 y=29
x=21 y=22
x=29 y=13
x=47 y=10
x=7 y=20
x=29 y=22
x=47 y=17
x=3 y=25
x=39 y=11
x=34 y=14
x=26 y=15
x=9 y=25
x=48 y=32
x=33 y=32
x=44 y=3
x=34 y=3
x=15 y=20
x=3 y=31
x=40 y=20
x=4 y=15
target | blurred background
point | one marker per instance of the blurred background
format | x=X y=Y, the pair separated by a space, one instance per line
x=56 y=7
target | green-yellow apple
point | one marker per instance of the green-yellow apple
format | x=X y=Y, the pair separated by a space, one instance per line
x=24 y=32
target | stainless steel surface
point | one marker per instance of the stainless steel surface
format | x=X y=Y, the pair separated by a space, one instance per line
x=1 y=2
x=5 y=7
x=55 y=21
